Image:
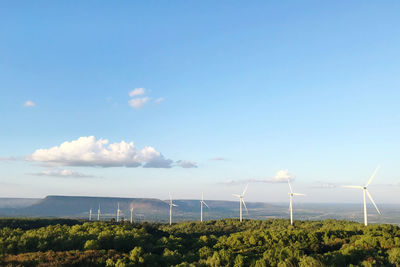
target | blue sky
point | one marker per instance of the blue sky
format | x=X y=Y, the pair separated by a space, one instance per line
x=309 y=87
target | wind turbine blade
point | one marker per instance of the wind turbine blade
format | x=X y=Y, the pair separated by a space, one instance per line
x=244 y=204
x=298 y=194
x=236 y=195
x=352 y=186
x=206 y=204
x=372 y=176
x=370 y=197
x=290 y=187
x=170 y=198
x=202 y=196
x=174 y=205
x=245 y=189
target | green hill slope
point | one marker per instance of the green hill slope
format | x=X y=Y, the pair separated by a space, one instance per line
x=212 y=243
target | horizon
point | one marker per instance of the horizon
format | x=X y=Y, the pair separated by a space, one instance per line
x=142 y=99
x=194 y=199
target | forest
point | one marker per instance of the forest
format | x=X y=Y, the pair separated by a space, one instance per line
x=274 y=242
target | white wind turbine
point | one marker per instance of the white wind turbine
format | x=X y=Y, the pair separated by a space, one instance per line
x=365 y=191
x=98 y=213
x=118 y=213
x=170 y=208
x=201 y=206
x=241 y=200
x=291 y=194
x=131 y=214
x=90 y=214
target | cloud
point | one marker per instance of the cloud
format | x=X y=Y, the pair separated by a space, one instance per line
x=61 y=173
x=282 y=176
x=89 y=151
x=9 y=159
x=138 y=102
x=137 y=92
x=29 y=103
x=323 y=185
x=159 y=100
x=244 y=181
x=186 y=164
x=219 y=159
x=233 y=182
x=139 y=98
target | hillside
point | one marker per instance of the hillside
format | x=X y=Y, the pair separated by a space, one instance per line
x=213 y=243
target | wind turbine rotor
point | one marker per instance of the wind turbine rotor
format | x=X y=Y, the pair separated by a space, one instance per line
x=372 y=176
x=290 y=187
x=353 y=186
x=244 y=204
x=245 y=189
x=373 y=202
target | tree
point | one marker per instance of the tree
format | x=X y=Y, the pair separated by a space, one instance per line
x=136 y=256
x=91 y=244
x=394 y=256
x=239 y=261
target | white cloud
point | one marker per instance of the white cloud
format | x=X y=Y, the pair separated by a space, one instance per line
x=233 y=182
x=186 y=164
x=137 y=92
x=244 y=181
x=88 y=151
x=138 y=102
x=61 y=173
x=282 y=176
x=9 y=159
x=29 y=103
x=159 y=100
x=139 y=98
x=323 y=185
x=219 y=159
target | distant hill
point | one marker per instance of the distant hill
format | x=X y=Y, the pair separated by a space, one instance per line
x=144 y=208
x=156 y=210
x=17 y=202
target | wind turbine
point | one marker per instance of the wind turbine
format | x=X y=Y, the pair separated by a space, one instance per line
x=90 y=214
x=241 y=200
x=365 y=191
x=201 y=206
x=170 y=208
x=98 y=213
x=291 y=194
x=118 y=213
x=131 y=214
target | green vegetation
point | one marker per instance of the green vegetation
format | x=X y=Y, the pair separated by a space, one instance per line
x=213 y=243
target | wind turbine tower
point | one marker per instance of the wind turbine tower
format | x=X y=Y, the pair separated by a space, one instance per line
x=365 y=192
x=118 y=213
x=90 y=214
x=201 y=206
x=131 y=214
x=291 y=194
x=170 y=208
x=241 y=200
x=98 y=213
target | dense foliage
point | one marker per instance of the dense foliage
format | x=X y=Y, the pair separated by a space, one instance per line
x=213 y=243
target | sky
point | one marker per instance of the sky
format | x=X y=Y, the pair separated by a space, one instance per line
x=142 y=98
